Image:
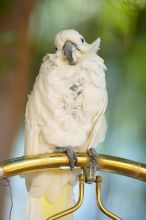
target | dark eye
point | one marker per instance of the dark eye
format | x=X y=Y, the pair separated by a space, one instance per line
x=55 y=48
x=82 y=39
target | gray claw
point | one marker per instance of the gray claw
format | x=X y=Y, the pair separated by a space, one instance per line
x=92 y=153
x=93 y=156
x=90 y=174
x=72 y=157
x=70 y=153
x=90 y=171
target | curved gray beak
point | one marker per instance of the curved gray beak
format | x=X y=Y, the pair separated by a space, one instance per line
x=68 y=49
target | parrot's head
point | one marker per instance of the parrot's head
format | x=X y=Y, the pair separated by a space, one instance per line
x=72 y=45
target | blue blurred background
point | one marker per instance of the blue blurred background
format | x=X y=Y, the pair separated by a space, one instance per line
x=27 y=30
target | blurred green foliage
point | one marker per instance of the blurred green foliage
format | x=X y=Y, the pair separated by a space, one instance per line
x=5 y=5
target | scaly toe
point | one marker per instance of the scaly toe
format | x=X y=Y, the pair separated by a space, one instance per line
x=70 y=153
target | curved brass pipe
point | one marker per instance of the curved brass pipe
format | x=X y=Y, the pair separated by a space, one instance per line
x=76 y=206
x=99 y=203
x=60 y=160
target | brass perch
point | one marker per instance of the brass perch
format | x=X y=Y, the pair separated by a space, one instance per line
x=99 y=203
x=46 y=161
x=76 y=206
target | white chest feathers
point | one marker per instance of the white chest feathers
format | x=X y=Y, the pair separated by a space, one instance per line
x=66 y=99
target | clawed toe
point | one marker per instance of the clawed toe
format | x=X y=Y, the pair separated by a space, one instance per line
x=72 y=157
x=90 y=171
x=93 y=156
x=70 y=153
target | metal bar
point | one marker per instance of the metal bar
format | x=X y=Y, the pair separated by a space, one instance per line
x=99 y=203
x=122 y=166
x=76 y=206
x=60 y=160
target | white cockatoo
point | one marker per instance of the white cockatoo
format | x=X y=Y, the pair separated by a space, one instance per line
x=66 y=108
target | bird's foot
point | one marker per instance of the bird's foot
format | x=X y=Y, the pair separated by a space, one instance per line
x=70 y=153
x=90 y=171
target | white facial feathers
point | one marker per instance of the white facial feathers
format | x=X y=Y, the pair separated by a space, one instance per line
x=77 y=39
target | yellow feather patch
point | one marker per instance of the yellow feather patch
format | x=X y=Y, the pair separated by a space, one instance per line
x=50 y=209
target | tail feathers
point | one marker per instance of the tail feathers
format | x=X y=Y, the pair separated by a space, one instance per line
x=41 y=209
x=34 y=210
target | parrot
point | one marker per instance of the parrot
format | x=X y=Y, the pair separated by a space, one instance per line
x=65 y=112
